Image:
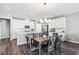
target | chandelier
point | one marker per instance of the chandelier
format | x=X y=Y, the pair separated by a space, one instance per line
x=45 y=20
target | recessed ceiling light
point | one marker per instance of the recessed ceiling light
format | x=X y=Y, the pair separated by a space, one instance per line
x=8 y=7
x=8 y=14
x=41 y=20
x=45 y=3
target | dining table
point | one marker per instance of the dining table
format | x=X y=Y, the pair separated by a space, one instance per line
x=40 y=40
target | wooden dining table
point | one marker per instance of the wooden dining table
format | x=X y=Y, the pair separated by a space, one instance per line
x=40 y=40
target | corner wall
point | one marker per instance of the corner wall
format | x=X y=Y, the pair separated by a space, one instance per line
x=72 y=27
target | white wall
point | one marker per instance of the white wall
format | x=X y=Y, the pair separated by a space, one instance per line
x=58 y=23
x=16 y=24
x=72 y=27
x=38 y=27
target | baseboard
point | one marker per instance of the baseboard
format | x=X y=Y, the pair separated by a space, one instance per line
x=21 y=43
x=4 y=38
x=12 y=38
x=74 y=42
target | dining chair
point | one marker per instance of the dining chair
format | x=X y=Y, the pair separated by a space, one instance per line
x=57 y=44
x=51 y=45
x=63 y=36
x=27 y=39
x=32 y=46
x=54 y=44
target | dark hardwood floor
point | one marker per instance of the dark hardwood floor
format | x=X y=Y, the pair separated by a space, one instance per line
x=8 y=47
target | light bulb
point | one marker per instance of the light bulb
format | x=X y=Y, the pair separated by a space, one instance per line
x=46 y=20
x=41 y=20
x=49 y=20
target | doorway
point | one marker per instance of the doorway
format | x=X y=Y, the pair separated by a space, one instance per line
x=4 y=28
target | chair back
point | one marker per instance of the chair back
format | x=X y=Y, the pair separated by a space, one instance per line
x=57 y=45
x=54 y=43
x=21 y=39
x=57 y=40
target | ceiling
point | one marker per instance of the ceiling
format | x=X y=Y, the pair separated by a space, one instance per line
x=37 y=10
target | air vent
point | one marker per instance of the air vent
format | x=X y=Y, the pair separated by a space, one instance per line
x=19 y=18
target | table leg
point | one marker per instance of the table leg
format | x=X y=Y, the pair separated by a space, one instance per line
x=39 y=48
x=30 y=45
